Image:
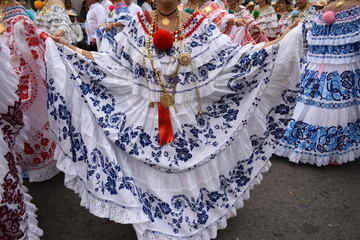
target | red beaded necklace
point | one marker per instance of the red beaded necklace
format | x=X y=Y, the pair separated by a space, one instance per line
x=177 y=31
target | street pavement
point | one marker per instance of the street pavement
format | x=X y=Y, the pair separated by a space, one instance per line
x=293 y=201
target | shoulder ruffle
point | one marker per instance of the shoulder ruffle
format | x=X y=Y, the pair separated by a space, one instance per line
x=335 y=43
x=131 y=42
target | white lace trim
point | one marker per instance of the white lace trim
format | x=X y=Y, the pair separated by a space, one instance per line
x=99 y=207
x=317 y=159
x=44 y=173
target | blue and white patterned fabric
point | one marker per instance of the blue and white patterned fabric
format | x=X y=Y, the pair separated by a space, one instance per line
x=106 y=40
x=108 y=134
x=326 y=123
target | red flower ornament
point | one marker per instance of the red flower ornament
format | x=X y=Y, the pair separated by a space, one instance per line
x=163 y=40
x=111 y=7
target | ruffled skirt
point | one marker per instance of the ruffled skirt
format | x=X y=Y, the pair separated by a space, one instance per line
x=325 y=127
x=176 y=191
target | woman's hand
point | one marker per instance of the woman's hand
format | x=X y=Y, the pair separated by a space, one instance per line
x=109 y=26
x=59 y=33
x=257 y=27
x=241 y=23
x=60 y=40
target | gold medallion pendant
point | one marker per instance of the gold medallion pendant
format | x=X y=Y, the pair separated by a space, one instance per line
x=166 y=100
x=165 y=22
x=184 y=59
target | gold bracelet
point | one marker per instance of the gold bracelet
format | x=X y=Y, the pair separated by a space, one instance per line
x=236 y=22
x=114 y=25
x=79 y=51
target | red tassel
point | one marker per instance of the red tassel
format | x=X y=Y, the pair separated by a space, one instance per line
x=165 y=128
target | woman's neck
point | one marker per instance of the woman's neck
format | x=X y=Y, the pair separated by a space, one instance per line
x=233 y=7
x=164 y=10
x=282 y=10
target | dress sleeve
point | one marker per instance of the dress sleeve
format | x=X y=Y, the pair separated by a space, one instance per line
x=79 y=34
x=101 y=16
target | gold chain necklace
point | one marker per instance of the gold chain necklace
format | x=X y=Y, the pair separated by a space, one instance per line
x=184 y=59
x=166 y=21
x=166 y=99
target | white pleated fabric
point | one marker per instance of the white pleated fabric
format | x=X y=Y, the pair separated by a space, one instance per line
x=108 y=134
x=17 y=213
x=27 y=45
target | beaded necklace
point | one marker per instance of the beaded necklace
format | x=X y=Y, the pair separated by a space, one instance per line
x=166 y=99
x=183 y=59
x=176 y=32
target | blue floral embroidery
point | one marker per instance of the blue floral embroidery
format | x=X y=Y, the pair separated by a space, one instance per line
x=332 y=86
x=183 y=211
x=109 y=36
x=320 y=139
x=109 y=179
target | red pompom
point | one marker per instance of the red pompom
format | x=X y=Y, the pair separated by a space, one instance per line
x=111 y=7
x=329 y=17
x=163 y=40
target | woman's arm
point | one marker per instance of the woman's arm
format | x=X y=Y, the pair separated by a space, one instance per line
x=237 y=22
x=288 y=29
x=62 y=41
x=112 y=25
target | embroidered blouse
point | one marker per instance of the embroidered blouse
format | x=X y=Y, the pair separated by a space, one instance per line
x=267 y=20
x=52 y=17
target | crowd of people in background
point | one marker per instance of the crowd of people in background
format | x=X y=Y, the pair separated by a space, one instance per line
x=266 y=20
x=236 y=80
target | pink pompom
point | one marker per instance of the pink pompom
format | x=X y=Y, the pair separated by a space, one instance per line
x=329 y=17
x=111 y=7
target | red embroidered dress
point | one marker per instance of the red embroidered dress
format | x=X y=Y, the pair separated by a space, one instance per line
x=17 y=214
x=27 y=47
